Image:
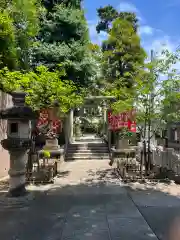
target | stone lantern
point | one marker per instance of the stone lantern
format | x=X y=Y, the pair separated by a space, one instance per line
x=18 y=142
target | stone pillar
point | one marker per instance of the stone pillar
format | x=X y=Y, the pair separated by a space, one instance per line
x=69 y=126
x=18 y=142
x=104 y=118
x=71 y=121
x=109 y=140
x=17 y=172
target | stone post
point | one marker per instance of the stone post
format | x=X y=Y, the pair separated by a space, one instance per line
x=18 y=142
x=69 y=127
x=71 y=121
x=77 y=122
x=104 y=118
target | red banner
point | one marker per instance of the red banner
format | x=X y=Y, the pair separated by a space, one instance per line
x=43 y=121
x=121 y=120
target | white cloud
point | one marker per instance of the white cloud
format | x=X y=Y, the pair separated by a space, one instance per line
x=129 y=7
x=161 y=43
x=146 y=30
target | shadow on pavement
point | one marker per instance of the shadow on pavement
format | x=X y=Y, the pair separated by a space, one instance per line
x=159 y=204
x=98 y=208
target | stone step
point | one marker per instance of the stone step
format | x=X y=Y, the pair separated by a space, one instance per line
x=89 y=140
x=75 y=145
x=86 y=158
x=83 y=150
x=89 y=143
x=81 y=154
x=87 y=147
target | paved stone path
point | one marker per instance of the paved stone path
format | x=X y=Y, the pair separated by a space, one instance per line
x=87 y=202
x=159 y=204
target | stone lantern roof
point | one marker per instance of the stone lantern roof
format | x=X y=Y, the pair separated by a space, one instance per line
x=19 y=110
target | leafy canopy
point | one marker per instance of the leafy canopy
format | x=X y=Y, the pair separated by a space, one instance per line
x=19 y=25
x=108 y=14
x=64 y=39
x=42 y=87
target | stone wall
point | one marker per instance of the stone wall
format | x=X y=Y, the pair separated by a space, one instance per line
x=5 y=101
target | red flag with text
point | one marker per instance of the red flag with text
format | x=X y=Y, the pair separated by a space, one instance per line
x=121 y=120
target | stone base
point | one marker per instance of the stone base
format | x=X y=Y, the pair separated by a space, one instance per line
x=51 y=144
x=122 y=143
x=18 y=192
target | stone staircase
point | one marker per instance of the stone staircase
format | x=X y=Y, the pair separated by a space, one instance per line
x=87 y=149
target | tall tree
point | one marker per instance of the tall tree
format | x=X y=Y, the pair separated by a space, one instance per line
x=64 y=39
x=123 y=55
x=49 y=4
x=108 y=14
x=19 y=25
x=8 y=51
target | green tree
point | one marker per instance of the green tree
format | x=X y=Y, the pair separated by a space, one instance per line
x=49 y=4
x=156 y=101
x=108 y=14
x=25 y=14
x=8 y=51
x=96 y=87
x=42 y=87
x=123 y=56
x=19 y=26
x=64 y=39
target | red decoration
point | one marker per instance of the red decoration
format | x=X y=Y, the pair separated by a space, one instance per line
x=44 y=119
x=125 y=119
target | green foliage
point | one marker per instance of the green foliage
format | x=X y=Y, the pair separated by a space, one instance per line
x=19 y=26
x=64 y=39
x=42 y=87
x=108 y=14
x=122 y=58
x=170 y=87
x=26 y=22
x=156 y=101
x=123 y=64
x=8 y=51
x=49 y=4
x=97 y=84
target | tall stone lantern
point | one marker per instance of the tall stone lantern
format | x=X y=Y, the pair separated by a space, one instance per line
x=18 y=141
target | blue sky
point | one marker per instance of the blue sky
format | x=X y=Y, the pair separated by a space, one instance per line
x=159 y=20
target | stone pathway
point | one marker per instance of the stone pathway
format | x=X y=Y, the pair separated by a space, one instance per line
x=159 y=204
x=88 y=202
